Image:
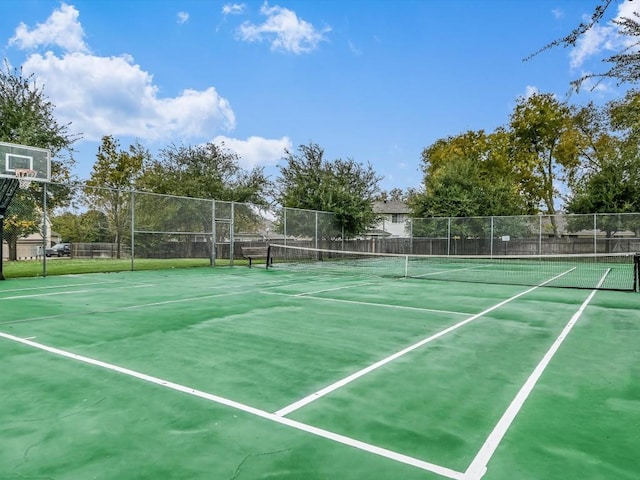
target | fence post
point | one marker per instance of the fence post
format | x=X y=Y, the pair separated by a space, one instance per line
x=133 y=228
x=316 y=229
x=540 y=234
x=491 y=248
x=231 y=229
x=44 y=229
x=213 y=233
x=595 y=236
x=284 y=221
x=411 y=235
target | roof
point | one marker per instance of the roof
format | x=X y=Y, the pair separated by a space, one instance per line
x=390 y=206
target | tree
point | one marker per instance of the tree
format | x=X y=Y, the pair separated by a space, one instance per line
x=205 y=171
x=27 y=118
x=343 y=187
x=90 y=226
x=612 y=184
x=470 y=175
x=113 y=176
x=393 y=195
x=546 y=148
x=625 y=64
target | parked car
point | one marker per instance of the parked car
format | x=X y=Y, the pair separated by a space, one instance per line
x=59 y=250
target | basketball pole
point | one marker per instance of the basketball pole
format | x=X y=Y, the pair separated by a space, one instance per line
x=2 y=212
x=8 y=188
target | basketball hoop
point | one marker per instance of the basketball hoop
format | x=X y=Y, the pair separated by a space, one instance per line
x=25 y=176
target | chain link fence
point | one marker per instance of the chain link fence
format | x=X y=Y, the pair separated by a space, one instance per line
x=106 y=224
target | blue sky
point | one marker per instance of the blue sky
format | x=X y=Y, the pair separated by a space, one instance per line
x=376 y=81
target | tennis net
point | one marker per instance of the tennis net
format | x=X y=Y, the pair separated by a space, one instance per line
x=616 y=271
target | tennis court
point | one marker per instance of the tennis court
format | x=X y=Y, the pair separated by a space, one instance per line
x=307 y=373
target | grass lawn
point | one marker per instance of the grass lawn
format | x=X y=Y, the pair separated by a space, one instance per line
x=63 y=266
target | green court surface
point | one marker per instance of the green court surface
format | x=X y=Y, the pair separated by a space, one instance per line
x=238 y=373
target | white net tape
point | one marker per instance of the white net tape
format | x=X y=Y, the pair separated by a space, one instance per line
x=25 y=176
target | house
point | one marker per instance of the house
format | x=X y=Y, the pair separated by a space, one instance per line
x=394 y=215
x=32 y=246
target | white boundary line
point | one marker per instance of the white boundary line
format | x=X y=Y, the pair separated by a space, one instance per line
x=142 y=305
x=334 y=289
x=49 y=287
x=73 y=292
x=372 y=304
x=478 y=466
x=354 y=376
x=336 y=437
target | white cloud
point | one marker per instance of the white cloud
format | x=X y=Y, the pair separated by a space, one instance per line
x=284 y=30
x=355 y=50
x=530 y=91
x=183 y=17
x=557 y=13
x=591 y=43
x=256 y=151
x=233 y=8
x=603 y=37
x=113 y=96
x=61 y=29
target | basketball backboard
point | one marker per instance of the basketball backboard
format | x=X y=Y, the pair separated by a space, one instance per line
x=22 y=157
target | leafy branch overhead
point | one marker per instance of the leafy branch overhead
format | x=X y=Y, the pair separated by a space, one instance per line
x=625 y=64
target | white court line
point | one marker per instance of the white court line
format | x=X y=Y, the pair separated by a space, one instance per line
x=373 y=304
x=334 y=289
x=50 y=294
x=73 y=292
x=336 y=437
x=53 y=286
x=443 y=272
x=143 y=305
x=354 y=376
x=478 y=466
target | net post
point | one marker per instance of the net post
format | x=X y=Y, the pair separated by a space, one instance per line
x=636 y=272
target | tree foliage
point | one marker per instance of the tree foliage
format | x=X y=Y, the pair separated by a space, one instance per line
x=205 y=171
x=112 y=178
x=394 y=195
x=90 y=226
x=612 y=184
x=546 y=147
x=27 y=118
x=343 y=187
x=468 y=175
